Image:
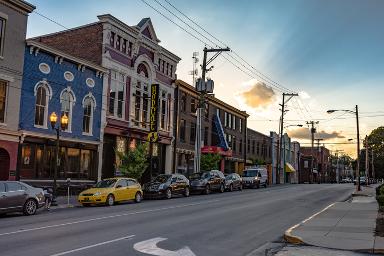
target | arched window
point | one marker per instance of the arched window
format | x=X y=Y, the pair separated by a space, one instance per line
x=141 y=99
x=88 y=106
x=67 y=99
x=41 y=105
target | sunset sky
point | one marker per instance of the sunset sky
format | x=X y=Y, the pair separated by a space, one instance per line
x=330 y=52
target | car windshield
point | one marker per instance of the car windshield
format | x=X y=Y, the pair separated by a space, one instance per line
x=161 y=178
x=195 y=176
x=205 y=175
x=228 y=177
x=105 y=183
x=250 y=173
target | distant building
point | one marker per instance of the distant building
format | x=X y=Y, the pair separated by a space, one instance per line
x=224 y=131
x=55 y=81
x=135 y=60
x=321 y=164
x=259 y=148
x=13 y=27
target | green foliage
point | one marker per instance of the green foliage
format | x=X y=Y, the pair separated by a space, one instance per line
x=380 y=190
x=376 y=142
x=134 y=162
x=380 y=199
x=256 y=161
x=209 y=162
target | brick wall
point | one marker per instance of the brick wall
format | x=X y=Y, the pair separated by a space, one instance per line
x=84 y=42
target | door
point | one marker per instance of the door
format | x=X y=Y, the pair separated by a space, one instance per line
x=16 y=194
x=4 y=164
x=132 y=188
x=181 y=184
x=3 y=197
x=174 y=185
x=121 y=190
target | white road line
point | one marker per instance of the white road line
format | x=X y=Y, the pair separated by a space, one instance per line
x=106 y=217
x=93 y=245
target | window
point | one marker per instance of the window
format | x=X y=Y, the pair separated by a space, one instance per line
x=240 y=125
x=234 y=143
x=137 y=106
x=225 y=119
x=112 y=39
x=258 y=148
x=183 y=102
x=205 y=136
x=233 y=122
x=116 y=94
x=163 y=115
x=41 y=106
x=124 y=46
x=171 y=71
x=141 y=97
x=167 y=69
x=2 y=35
x=249 y=145
x=129 y=48
x=3 y=98
x=182 y=130
x=2 y=187
x=67 y=101
x=144 y=114
x=241 y=146
x=253 y=146
x=118 y=42
x=14 y=186
x=218 y=112
x=192 y=137
x=88 y=106
x=193 y=106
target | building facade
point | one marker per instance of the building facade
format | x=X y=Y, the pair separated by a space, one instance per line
x=57 y=82
x=135 y=60
x=321 y=163
x=13 y=26
x=259 y=148
x=224 y=131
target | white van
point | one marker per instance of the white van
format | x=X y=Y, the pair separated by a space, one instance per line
x=254 y=177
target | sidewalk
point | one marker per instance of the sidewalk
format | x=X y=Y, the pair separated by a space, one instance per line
x=346 y=225
x=62 y=202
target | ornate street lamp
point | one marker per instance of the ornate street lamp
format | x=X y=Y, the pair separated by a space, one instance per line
x=63 y=126
x=356 y=112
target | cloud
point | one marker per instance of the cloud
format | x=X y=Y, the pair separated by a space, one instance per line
x=258 y=95
x=305 y=133
x=304 y=95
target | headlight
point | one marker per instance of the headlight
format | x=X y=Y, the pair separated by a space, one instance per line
x=162 y=186
x=97 y=194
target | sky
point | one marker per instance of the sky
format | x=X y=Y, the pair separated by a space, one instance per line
x=328 y=51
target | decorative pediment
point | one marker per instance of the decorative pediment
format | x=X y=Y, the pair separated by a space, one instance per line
x=146 y=28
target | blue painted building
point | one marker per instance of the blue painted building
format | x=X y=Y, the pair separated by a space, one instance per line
x=57 y=82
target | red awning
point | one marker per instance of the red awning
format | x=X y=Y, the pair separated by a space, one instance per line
x=215 y=150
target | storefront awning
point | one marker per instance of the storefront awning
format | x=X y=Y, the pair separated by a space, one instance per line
x=289 y=168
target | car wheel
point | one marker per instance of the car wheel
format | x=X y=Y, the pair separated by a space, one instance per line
x=266 y=184
x=168 y=193
x=231 y=188
x=222 y=188
x=207 y=190
x=138 y=197
x=30 y=207
x=241 y=187
x=110 y=200
x=186 y=192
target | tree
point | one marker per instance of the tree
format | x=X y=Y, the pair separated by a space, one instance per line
x=209 y=161
x=135 y=161
x=376 y=143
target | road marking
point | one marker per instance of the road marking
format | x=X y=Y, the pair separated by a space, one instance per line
x=150 y=247
x=93 y=245
x=106 y=217
x=296 y=239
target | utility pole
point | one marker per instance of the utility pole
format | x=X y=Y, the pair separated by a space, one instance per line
x=320 y=152
x=281 y=132
x=366 y=160
x=373 y=166
x=337 y=165
x=313 y=131
x=358 y=149
x=203 y=88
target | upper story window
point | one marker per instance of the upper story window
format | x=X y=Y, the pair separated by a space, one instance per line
x=116 y=94
x=183 y=102
x=2 y=35
x=130 y=48
x=240 y=125
x=112 y=39
x=192 y=135
x=193 y=106
x=141 y=99
x=182 y=130
x=206 y=110
x=118 y=42
x=88 y=106
x=67 y=100
x=3 y=100
x=163 y=108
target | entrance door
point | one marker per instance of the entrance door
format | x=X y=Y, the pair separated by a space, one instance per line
x=4 y=164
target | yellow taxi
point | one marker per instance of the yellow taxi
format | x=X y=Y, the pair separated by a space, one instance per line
x=110 y=191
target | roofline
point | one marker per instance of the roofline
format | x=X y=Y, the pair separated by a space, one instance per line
x=104 y=17
x=212 y=99
x=20 y=5
x=67 y=56
x=259 y=133
x=64 y=31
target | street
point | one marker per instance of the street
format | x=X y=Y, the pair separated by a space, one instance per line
x=237 y=223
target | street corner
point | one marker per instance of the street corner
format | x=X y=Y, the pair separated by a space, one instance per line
x=291 y=238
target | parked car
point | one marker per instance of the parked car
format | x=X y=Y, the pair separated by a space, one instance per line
x=208 y=181
x=254 y=177
x=167 y=185
x=233 y=181
x=17 y=196
x=363 y=180
x=346 y=180
x=111 y=191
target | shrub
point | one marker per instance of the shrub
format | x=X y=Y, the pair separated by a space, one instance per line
x=380 y=199
x=380 y=190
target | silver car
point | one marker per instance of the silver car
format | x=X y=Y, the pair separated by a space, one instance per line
x=17 y=196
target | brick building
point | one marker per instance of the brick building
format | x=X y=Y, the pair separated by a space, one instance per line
x=321 y=164
x=223 y=124
x=135 y=60
x=13 y=27
x=259 y=148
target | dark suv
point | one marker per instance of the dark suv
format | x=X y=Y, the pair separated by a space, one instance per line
x=166 y=185
x=208 y=181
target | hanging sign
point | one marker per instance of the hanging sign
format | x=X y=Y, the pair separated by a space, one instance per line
x=154 y=114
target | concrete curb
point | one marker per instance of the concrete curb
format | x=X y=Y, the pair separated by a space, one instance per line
x=293 y=239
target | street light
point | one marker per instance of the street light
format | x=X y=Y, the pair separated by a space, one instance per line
x=63 y=125
x=356 y=112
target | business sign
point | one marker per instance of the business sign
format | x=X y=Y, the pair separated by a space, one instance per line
x=154 y=114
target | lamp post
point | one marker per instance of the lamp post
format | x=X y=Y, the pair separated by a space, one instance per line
x=356 y=112
x=60 y=127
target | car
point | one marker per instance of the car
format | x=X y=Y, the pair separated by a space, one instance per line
x=16 y=196
x=363 y=180
x=111 y=191
x=207 y=181
x=346 y=180
x=254 y=177
x=233 y=181
x=167 y=185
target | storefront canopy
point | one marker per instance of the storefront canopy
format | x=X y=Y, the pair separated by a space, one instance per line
x=289 y=168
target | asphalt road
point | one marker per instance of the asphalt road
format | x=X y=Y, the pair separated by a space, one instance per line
x=237 y=223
